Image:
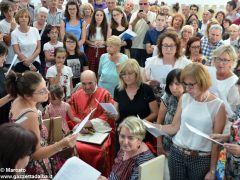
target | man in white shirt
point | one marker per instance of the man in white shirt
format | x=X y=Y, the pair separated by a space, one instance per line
x=111 y=4
x=140 y=22
x=205 y=19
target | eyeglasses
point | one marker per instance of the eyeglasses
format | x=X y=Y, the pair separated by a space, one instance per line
x=168 y=46
x=195 y=47
x=189 y=85
x=124 y=75
x=143 y=4
x=220 y=60
x=42 y=92
x=70 y=42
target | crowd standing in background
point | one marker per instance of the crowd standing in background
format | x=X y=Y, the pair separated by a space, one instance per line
x=177 y=64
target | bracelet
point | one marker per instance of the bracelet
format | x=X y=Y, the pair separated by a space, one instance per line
x=57 y=147
x=213 y=172
x=160 y=127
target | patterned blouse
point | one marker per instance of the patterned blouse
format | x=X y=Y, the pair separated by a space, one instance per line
x=233 y=162
x=171 y=103
x=128 y=169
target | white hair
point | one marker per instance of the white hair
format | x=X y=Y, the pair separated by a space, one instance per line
x=42 y=10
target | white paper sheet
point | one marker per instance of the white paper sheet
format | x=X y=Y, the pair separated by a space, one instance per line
x=153 y=130
x=76 y=169
x=109 y=107
x=84 y=121
x=13 y=62
x=160 y=72
x=200 y=133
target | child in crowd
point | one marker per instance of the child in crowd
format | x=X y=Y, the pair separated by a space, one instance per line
x=59 y=73
x=58 y=107
x=50 y=46
x=75 y=59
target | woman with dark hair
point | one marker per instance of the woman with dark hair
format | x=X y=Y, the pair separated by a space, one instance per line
x=118 y=25
x=75 y=59
x=96 y=41
x=173 y=92
x=73 y=24
x=192 y=17
x=226 y=24
x=29 y=89
x=195 y=24
x=169 y=53
x=193 y=50
x=4 y=97
x=220 y=16
x=17 y=145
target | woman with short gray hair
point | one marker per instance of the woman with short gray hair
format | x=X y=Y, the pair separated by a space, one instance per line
x=133 y=151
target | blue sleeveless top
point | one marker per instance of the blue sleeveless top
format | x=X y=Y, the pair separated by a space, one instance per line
x=76 y=30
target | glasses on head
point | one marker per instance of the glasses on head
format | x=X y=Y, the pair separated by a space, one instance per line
x=168 y=46
x=42 y=92
x=124 y=75
x=143 y=4
x=70 y=42
x=221 y=60
x=189 y=85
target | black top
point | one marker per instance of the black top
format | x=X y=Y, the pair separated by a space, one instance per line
x=4 y=110
x=138 y=106
x=129 y=41
x=76 y=63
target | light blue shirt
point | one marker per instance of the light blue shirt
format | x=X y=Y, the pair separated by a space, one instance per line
x=108 y=72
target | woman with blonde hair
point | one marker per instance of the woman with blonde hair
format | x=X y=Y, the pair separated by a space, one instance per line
x=87 y=12
x=132 y=97
x=192 y=156
x=225 y=59
x=109 y=64
x=186 y=33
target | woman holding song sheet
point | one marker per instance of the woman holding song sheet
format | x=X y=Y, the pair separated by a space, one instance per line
x=169 y=53
x=192 y=156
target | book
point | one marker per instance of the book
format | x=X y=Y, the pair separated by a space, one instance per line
x=128 y=34
x=93 y=138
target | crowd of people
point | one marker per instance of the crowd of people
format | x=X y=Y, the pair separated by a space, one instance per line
x=179 y=69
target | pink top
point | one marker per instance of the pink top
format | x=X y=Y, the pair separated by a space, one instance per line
x=59 y=111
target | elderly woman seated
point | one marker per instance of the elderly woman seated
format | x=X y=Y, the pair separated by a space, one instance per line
x=133 y=151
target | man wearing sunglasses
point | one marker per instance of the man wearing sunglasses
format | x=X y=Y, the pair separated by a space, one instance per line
x=140 y=22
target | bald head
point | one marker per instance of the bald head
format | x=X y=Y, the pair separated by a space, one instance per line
x=89 y=75
x=89 y=81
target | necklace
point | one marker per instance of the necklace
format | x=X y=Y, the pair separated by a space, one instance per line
x=204 y=99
